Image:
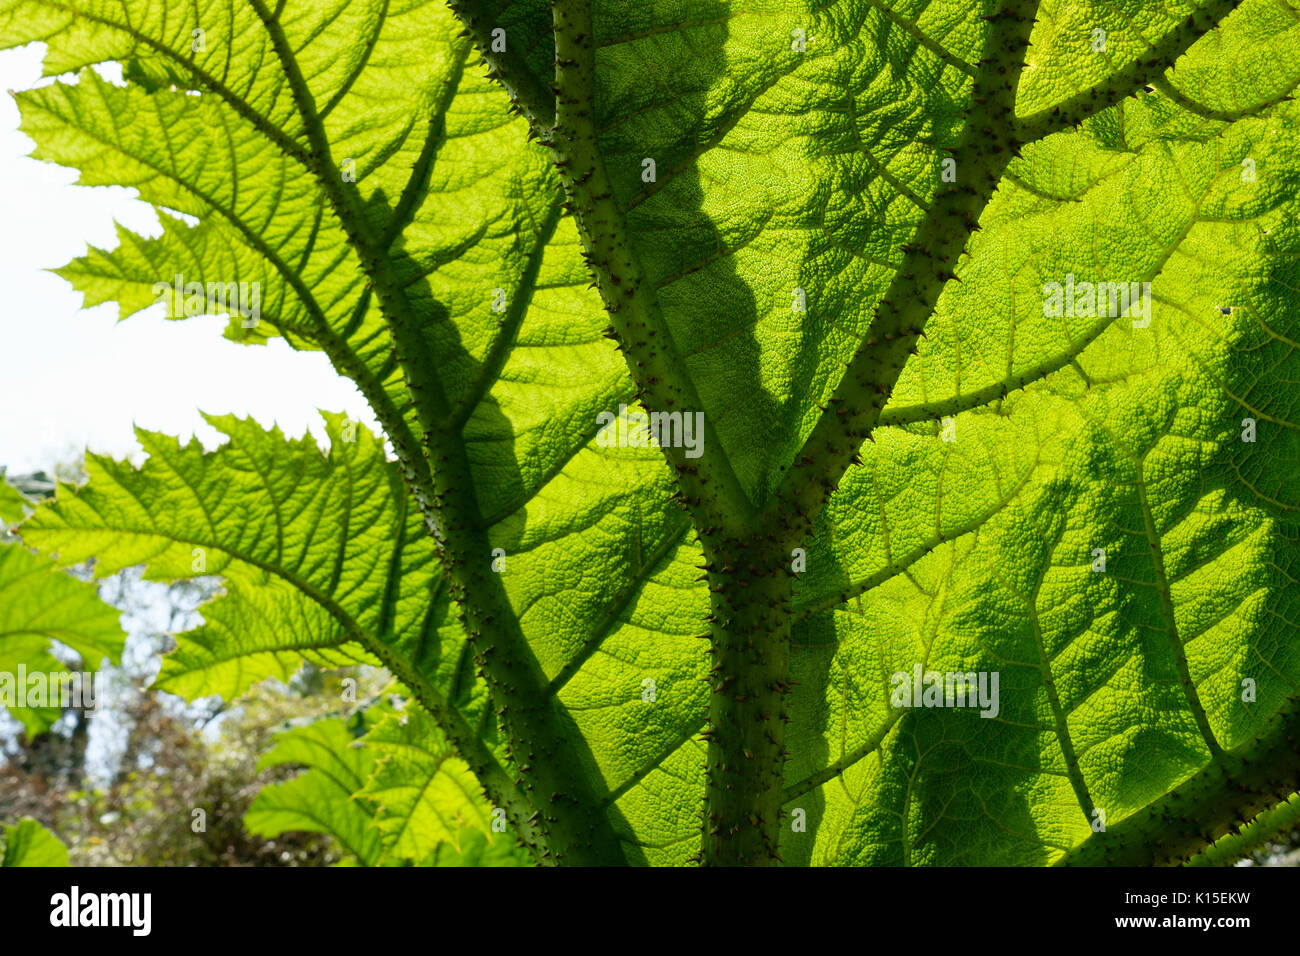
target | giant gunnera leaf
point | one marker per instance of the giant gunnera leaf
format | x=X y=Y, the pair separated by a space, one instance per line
x=852 y=433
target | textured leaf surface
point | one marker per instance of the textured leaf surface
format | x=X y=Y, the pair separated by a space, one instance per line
x=258 y=513
x=790 y=187
x=424 y=794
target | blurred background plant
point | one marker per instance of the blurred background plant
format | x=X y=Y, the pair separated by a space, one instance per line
x=122 y=788
x=178 y=795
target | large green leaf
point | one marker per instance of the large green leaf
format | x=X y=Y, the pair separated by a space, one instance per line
x=299 y=583
x=775 y=274
x=258 y=512
x=27 y=843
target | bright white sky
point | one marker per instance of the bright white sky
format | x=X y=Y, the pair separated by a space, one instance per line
x=71 y=378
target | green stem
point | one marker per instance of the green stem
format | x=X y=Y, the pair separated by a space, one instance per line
x=552 y=762
x=752 y=591
x=987 y=144
x=1269 y=827
x=526 y=89
x=1127 y=81
x=709 y=486
x=1242 y=783
x=751 y=585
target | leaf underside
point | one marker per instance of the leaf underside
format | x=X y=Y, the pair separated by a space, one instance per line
x=1015 y=447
